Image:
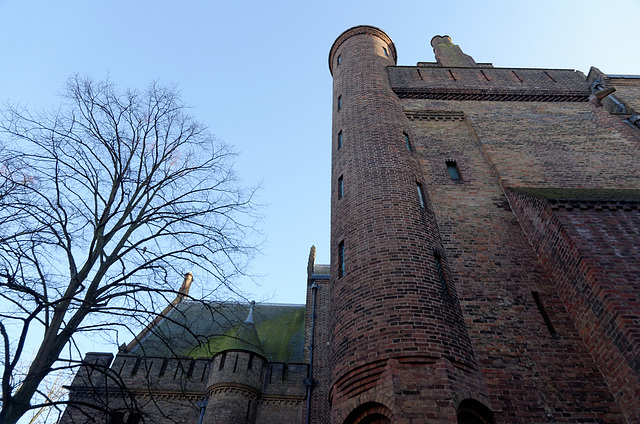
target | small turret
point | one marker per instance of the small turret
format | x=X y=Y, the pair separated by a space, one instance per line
x=235 y=381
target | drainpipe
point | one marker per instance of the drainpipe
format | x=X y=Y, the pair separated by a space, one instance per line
x=597 y=86
x=633 y=120
x=309 y=381
x=203 y=407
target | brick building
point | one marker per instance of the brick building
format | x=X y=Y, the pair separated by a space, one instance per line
x=485 y=232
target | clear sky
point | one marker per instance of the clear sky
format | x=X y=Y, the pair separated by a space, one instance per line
x=256 y=73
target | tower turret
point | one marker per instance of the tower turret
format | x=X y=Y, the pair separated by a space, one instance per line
x=398 y=326
x=236 y=378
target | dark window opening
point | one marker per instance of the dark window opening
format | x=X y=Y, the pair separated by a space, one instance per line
x=470 y=411
x=543 y=312
x=341 y=264
x=340 y=187
x=369 y=413
x=136 y=366
x=248 y=410
x=421 y=195
x=250 y=364
x=454 y=172
x=221 y=366
x=339 y=140
x=205 y=370
x=134 y=418
x=116 y=418
x=386 y=53
x=339 y=102
x=407 y=142
x=192 y=367
x=339 y=59
x=442 y=277
x=163 y=367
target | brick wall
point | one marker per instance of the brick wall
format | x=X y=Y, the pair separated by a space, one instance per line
x=592 y=253
x=396 y=326
x=529 y=372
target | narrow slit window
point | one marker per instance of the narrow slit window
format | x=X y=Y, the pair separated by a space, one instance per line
x=407 y=141
x=339 y=102
x=339 y=60
x=454 y=172
x=341 y=264
x=386 y=53
x=248 y=410
x=340 y=187
x=442 y=277
x=163 y=367
x=136 y=366
x=543 y=312
x=420 y=195
x=339 y=140
x=192 y=367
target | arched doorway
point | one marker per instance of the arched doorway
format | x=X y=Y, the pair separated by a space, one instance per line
x=369 y=413
x=471 y=411
x=375 y=419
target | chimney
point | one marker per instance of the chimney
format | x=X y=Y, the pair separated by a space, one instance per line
x=450 y=55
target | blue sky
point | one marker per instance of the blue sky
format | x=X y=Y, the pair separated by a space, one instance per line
x=256 y=73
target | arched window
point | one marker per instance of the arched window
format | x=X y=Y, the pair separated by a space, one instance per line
x=471 y=411
x=369 y=413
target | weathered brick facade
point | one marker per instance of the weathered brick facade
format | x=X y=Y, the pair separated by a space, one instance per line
x=485 y=233
x=530 y=186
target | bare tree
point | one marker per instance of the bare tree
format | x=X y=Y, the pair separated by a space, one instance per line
x=104 y=203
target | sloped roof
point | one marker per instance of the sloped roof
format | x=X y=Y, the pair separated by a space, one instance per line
x=196 y=329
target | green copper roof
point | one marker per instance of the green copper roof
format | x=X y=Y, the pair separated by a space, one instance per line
x=197 y=330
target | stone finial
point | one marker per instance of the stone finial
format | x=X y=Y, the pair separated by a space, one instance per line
x=249 y=319
x=186 y=284
x=312 y=260
x=449 y=54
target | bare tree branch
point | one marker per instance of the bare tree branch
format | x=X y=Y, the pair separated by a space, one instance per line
x=104 y=204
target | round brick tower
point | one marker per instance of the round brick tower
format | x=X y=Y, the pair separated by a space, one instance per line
x=235 y=381
x=400 y=346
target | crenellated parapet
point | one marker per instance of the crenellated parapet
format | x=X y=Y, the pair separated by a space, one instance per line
x=138 y=373
x=237 y=368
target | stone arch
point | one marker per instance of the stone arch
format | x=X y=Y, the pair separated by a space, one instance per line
x=370 y=413
x=471 y=411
